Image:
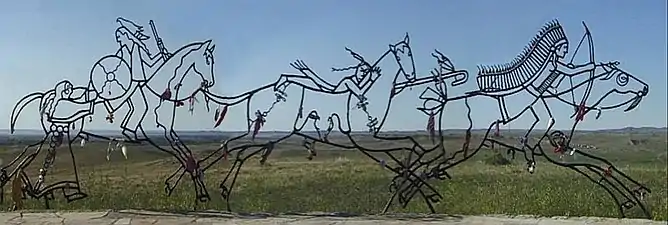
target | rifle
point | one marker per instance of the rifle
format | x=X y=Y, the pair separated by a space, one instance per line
x=161 y=46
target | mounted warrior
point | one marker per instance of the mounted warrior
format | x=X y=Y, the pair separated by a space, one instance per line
x=539 y=69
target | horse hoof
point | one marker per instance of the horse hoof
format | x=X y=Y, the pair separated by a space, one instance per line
x=628 y=204
x=203 y=198
x=168 y=190
x=76 y=196
x=224 y=192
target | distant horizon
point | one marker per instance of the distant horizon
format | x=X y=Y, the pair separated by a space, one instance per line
x=356 y=131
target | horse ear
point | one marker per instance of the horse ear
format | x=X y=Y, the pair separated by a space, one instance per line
x=407 y=39
x=213 y=47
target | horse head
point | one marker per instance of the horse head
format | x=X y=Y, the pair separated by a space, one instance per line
x=627 y=90
x=206 y=52
x=403 y=54
x=615 y=87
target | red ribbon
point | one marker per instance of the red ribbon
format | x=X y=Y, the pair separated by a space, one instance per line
x=219 y=117
x=581 y=112
x=558 y=149
x=166 y=95
x=465 y=146
x=191 y=164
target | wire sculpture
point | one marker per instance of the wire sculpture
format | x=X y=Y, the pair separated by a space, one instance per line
x=539 y=71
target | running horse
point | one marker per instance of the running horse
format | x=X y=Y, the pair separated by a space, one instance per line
x=619 y=88
x=64 y=111
x=372 y=110
x=192 y=72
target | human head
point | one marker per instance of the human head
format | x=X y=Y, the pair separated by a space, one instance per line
x=126 y=38
x=553 y=35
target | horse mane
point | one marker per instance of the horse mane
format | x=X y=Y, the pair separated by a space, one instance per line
x=528 y=53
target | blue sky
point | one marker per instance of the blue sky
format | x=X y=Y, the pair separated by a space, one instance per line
x=43 y=42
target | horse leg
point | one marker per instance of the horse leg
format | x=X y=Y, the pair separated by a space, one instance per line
x=225 y=190
x=615 y=178
x=24 y=162
x=416 y=182
x=592 y=172
x=170 y=183
x=4 y=178
x=231 y=177
x=300 y=123
x=196 y=173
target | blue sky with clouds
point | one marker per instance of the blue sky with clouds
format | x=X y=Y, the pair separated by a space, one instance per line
x=43 y=42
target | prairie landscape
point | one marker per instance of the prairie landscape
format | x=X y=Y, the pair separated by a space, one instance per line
x=339 y=180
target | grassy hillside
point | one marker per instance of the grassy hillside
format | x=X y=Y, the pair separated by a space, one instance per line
x=347 y=181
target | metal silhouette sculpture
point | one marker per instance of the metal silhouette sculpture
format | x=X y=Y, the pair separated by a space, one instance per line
x=121 y=80
x=539 y=71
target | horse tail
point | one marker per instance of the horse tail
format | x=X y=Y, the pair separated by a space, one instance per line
x=19 y=107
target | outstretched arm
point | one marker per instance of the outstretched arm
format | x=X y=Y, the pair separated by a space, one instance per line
x=574 y=70
x=149 y=60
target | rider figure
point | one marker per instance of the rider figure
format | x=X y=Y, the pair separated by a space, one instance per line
x=357 y=83
x=133 y=50
x=547 y=52
x=362 y=79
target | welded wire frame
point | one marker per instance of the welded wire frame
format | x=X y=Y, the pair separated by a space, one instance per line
x=415 y=167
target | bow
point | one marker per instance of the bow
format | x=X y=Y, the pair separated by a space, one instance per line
x=592 y=73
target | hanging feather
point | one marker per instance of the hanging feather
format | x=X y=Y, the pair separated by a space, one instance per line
x=259 y=121
x=83 y=142
x=124 y=150
x=215 y=115
x=191 y=103
x=532 y=167
x=221 y=117
x=109 y=150
x=431 y=127
x=497 y=132
x=17 y=190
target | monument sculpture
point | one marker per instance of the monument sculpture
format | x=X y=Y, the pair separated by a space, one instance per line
x=126 y=79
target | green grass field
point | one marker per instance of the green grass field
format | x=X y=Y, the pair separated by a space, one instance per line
x=347 y=181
